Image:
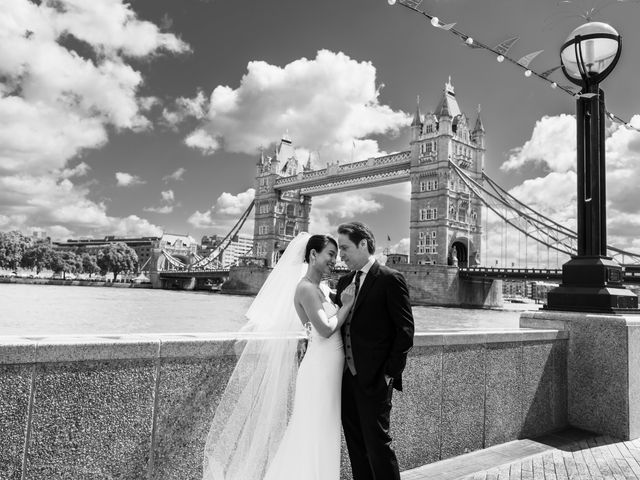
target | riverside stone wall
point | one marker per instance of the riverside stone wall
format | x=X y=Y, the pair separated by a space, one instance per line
x=139 y=406
x=441 y=285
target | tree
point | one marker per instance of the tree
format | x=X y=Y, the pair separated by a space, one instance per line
x=65 y=261
x=38 y=256
x=116 y=258
x=89 y=263
x=12 y=247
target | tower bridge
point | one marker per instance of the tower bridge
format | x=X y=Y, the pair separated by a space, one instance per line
x=449 y=201
x=445 y=219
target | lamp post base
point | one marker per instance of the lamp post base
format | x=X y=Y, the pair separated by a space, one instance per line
x=592 y=284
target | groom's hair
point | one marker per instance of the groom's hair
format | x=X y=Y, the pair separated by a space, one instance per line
x=358 y=231
x=318 y=243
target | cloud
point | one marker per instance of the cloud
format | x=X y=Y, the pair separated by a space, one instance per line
x=168 y=196
x=328 y=211
x=70 y=99
x=325 y=104
x=128 y=180
x=402 y=246
x=59 y=206
x=201 y=140
x=225 y=212
x=164 y=209
x=202 y=219
x=79 y=170
x=186 y=107
x=554 y=194
x=177 y=175
x=229 y=204
x=552 y=143
x=66 y=74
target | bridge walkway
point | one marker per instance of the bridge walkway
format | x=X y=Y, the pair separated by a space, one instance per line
x=568 y=455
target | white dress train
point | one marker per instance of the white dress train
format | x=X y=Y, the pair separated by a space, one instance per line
x=310 y=447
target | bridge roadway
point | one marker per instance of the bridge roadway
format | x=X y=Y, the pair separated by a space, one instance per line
x=630 y=276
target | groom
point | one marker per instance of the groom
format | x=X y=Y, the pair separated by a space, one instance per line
x=377 y=336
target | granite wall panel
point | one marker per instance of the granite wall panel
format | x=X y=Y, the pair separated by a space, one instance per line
x=503 y=403
x=463 y=390
x=543 y=402
x=189 y=393
x=91 y=420
x=15 y=383
x=415 y=417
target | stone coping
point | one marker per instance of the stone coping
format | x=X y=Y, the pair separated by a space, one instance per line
x=71 y=348
x=559 y=319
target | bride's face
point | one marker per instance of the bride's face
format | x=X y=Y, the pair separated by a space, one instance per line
x=326 y=259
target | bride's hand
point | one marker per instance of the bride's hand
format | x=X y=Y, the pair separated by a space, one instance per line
x=347 y=296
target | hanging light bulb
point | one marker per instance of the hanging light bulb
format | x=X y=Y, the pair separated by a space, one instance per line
x=391 y=2
x=435 y=21
x=527 y=73
x=469 y=41
x=554 y=85
x=500 y=58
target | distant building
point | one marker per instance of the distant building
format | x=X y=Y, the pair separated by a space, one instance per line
x=40 y=236
x=143 y=246
x=241 y=246
x=395 y=258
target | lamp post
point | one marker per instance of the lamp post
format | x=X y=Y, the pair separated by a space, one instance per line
x=591 y=281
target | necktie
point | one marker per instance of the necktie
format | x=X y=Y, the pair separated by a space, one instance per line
x=355 y=295
x=347 y=338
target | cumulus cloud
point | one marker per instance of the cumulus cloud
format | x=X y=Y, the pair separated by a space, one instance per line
x=229 y=204
x=202 y=219
x=177 y=175
x=325 y=104
x=128 y=180
x=328 y=211
x=554 y=194
x=59 y=206
x=66 y=79
x=163 y=209
x=168 y=198
x=402 y=246
x=225 y=212
x=201 y=140
x=552 y=142
x=70 y=100
x=79 y=170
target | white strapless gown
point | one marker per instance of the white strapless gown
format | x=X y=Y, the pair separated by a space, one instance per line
x=310 y=447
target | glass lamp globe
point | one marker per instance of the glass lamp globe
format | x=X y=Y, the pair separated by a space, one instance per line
x=590 y=51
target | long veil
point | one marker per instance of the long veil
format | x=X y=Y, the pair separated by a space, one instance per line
x=252 y=415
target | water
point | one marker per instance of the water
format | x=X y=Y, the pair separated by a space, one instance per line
x=60 y=310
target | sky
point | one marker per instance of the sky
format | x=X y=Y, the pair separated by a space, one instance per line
x=149 y=116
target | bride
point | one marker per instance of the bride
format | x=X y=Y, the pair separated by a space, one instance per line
x=276 y=421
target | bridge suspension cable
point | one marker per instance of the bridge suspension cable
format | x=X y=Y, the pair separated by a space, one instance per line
x=226 y=241
x=530 y=222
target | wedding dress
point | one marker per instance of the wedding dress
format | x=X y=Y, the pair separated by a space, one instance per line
x=276 y=420
x=310 y=448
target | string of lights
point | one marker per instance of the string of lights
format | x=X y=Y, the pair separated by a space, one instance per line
x=501 y=51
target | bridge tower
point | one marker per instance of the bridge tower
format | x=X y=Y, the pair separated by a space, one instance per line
x=446 y=219
x=279 y=216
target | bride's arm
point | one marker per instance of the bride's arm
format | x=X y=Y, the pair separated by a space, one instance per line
x=309 y=300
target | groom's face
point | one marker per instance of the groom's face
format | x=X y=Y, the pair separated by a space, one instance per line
x=355 y=256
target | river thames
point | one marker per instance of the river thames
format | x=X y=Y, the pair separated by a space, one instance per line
x=73 y=310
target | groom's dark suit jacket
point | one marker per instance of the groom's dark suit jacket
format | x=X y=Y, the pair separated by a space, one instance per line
x=381 y=327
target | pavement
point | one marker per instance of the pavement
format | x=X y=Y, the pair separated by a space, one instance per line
x=568 y=455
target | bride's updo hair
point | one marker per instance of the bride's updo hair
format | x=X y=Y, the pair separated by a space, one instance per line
x=318 y=243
